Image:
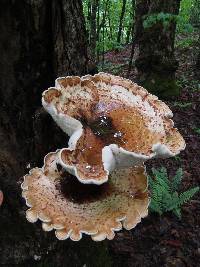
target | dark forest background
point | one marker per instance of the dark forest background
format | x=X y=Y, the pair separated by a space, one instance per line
x=153 y=42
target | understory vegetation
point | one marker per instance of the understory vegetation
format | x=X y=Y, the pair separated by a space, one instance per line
x=165 y=194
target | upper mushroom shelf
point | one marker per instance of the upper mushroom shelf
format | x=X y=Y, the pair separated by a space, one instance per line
x=112 y=123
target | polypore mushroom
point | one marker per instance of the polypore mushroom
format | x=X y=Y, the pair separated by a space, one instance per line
x=112 y=122
x=62 y=203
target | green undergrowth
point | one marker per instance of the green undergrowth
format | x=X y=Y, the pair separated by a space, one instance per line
x=182 y=105
x=196 y=130
x=111 y=68
x=165 y=195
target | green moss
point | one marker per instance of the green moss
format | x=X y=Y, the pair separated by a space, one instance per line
x=161 y=86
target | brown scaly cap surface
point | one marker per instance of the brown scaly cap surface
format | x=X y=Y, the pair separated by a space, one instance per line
x=62 y=203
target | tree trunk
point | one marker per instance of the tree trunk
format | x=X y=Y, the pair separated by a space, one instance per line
x=197 y=66
x=130 y=30
x=156 y=63
x=133 y=39
x=93 y=28
x=39 y=41
x=103 y=21
x=110 y=24
x=121 y=21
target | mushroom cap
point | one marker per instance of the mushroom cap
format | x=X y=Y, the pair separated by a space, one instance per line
x=128 y=125
x=62 y=203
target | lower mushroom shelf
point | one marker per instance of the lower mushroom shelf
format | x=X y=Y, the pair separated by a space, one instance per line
x=62 y=203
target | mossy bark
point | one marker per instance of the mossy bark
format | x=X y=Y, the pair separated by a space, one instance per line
x=161 y=85
x=156 y=63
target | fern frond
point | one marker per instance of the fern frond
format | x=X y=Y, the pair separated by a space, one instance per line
x=150 y=181
x=161 y=178
x=187 y=195
x=164 y=195
x=156 y=196
x=155 y=206
x=184 y=197
x=172 y=203
x=161 y=174
x=157 y=193
x=177 y=212
x=177 y=179
x=164 y=185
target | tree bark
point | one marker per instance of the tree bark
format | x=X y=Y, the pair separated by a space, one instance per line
x=103 y=21
x=132 y=39
x=197 y=65
x=93 y=28
x=121 y=22
x=101 y=26
x=130 y=31
x=110 y=24
x=156 y=63
x=39 y=41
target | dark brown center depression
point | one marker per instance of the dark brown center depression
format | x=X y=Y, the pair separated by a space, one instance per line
x=75 y=191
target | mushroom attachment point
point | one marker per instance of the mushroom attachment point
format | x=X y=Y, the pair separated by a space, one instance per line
x=62 y=203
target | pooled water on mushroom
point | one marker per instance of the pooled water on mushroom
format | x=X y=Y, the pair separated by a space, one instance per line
x=113 y=123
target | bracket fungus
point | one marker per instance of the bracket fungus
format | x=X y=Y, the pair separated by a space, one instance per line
x=112 y=122
x=72 y=208
x=97 y=184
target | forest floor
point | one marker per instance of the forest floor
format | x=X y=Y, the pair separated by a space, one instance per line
x=166 y=240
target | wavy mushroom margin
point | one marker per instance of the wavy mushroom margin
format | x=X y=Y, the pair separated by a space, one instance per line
x=122 y=204
x=85 y=92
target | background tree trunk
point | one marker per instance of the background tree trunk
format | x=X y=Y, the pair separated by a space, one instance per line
x=93 y=23
x=39 y=41
x=121 y=21
x=133 y=39
x=156 y=63
x=103 y=21
x=197 y=66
